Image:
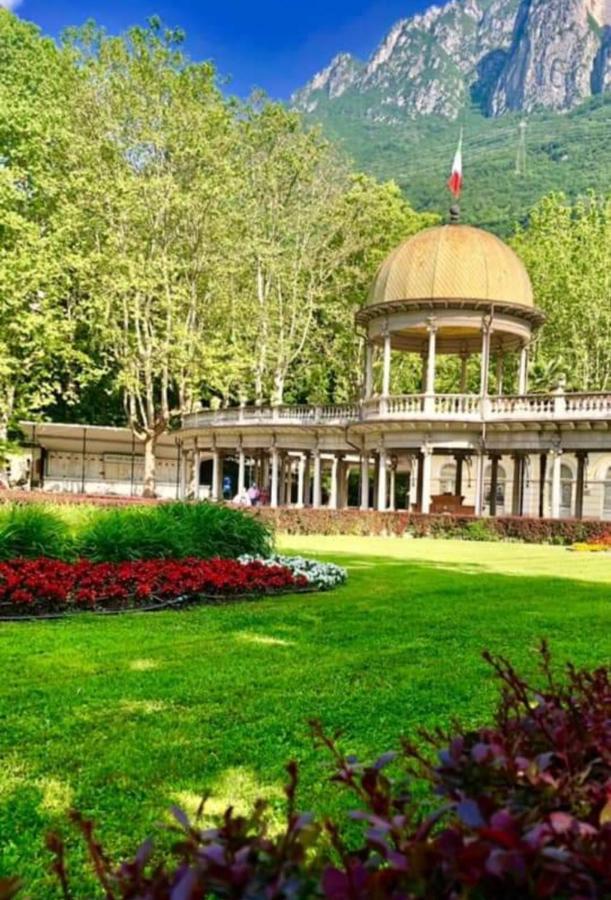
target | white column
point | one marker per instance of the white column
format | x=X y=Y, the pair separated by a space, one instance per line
x=275 y=481
x=427 y=466
x=382 y=481
x=301 y=481
x=364 y=481
x=387 y=358
x=184 y=478
x=368 y=370
x=500 y=373
x=217 y=475
x=523 y=372
x=485 y=369
x=480 y=471
x=317 y=487
x=334 y=496
x=241 y=471
x=197 y=458
x=432 y=359
x=556 y=457
x=412 y=499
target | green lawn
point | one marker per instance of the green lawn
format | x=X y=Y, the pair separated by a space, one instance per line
x=125 y=716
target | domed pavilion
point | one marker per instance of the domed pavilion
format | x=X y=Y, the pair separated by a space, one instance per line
x=459 y=303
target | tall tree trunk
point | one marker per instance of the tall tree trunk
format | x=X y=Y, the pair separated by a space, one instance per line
x=150 y=461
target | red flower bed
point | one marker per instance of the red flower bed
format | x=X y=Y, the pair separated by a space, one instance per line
x=43 y=586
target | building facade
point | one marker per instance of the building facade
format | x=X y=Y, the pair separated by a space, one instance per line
x=487 y=446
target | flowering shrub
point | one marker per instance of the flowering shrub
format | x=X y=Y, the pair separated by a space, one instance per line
x=324 y=576
x=526 y=813
x=41 y=586
x=599 y=544
x=405 y=524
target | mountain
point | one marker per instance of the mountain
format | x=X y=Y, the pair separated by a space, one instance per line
x=489 y=65
x=501 y=54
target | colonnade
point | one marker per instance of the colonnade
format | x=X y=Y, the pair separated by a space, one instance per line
x=429 y=363
x=296 y=478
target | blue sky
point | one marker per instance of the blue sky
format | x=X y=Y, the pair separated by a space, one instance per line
x=272 y=44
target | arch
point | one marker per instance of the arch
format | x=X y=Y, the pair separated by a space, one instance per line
x=566 y=491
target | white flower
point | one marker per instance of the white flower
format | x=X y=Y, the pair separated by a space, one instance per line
x=324 y=576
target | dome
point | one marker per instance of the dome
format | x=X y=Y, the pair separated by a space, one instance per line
x=453 y=263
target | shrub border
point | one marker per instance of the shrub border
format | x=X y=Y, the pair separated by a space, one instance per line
x=356 y=522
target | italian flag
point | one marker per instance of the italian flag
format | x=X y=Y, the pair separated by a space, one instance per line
x=456 y=181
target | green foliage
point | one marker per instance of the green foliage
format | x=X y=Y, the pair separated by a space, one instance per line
x=567 y=250
x=168 y=531
x=29 y=530
x=215 y=701
x=569 y=152
x=172 y=531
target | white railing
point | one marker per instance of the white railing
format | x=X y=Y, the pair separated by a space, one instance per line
x=415 y=407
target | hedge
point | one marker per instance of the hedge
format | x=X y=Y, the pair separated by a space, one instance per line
x=400 y=524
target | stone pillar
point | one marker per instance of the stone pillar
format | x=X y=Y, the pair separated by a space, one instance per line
x=542 y=482
x=427 y=466
x=485 y=368
x=194 y=473
x=460 y=461
x=217 y=475
x=288 y=480
x=494 y=483
x=368 y=370
x=523 y=372
x=307 y=480
x=334 y=496
x=419 y=483
x=480 y=492
x=275 y=479
x=382 y=480
x=241 y=470
x=184 y=476
x=582 y=460
x=556 y=456
x=500 y=373
x=387 y=361
x=432 y=358
x=317 y=486
x=364 y=481
x=301 y=473
x=517 y=505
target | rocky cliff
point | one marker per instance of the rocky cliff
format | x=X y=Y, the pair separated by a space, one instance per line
x=500 y=54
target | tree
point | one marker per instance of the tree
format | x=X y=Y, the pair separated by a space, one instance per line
x=159 y=136
x=567 y=250
x=38 y=235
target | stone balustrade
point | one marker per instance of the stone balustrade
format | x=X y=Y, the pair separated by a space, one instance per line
x=557 y=406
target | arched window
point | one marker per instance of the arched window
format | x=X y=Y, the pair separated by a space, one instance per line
x=500 y=488
x=447 y=479
x=607 y=496
x=566 y=494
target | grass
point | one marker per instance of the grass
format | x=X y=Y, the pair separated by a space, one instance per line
x=126 y=716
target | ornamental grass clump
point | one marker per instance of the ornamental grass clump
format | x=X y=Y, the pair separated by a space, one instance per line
x=521 y=809
x=171 y=531
x=30 y=530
